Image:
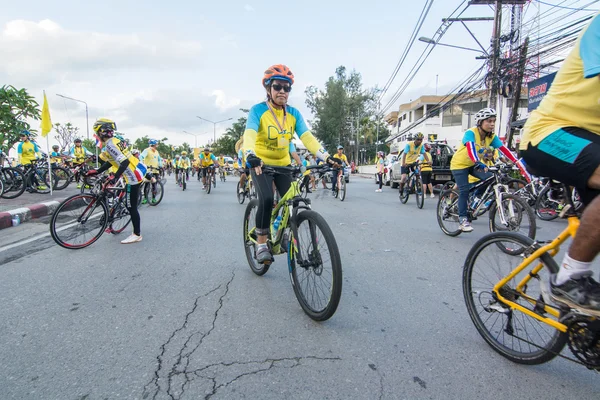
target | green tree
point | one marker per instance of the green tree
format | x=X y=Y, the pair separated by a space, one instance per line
x=65 y=135
x=338 y=107
x=15 y=107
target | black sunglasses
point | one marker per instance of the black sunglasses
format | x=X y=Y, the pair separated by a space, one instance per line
x=286 y=88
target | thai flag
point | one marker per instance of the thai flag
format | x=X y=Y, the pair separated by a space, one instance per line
x=98 y=142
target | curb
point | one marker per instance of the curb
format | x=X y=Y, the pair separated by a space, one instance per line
x=28 y=213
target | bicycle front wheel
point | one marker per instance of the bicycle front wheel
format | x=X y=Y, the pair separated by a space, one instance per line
x=250 y=238
x=419 y=193
x=404 y=193
x=519 y=217
x=513 y=334
x=156 y=193
x=14 y=183
x=342 y=190
x=79 y=221
x=315 y=266
x=240 y=196
x=208 y=185
x=447 y=213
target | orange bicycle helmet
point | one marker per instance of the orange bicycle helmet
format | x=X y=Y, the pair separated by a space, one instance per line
x=278 y=71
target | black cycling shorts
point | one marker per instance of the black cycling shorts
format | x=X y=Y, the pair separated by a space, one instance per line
x=426 y=177
x=569 y=155
x=408 y=169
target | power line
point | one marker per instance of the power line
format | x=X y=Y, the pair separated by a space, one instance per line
x=566 y=8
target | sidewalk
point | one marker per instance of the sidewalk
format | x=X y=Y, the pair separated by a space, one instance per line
x=32 y=205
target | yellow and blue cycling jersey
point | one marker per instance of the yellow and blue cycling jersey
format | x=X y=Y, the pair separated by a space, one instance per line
x=55 y=157
x=117 y=152
x=79 y=154
x=184 y=163
x=206 y=160
x=28 y=151
x=269 y=132
x=573 y=99
x=463 y=158
x=413 y=153
x=151 y=158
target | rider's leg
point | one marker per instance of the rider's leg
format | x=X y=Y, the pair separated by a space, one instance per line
x=461 y=177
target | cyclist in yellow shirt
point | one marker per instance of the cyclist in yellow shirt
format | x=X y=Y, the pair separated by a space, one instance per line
x=339 y=171
x=412 y=152
x=184 y=164
x=269 y=130
x=561 y=140
x=207 y=159
x=427 y=170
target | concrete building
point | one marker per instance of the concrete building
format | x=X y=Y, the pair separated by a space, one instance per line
x=452 y=122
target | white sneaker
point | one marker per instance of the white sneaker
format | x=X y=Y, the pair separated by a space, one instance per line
x=465 y=226
x=378 y=190
x=432 y=196
x=241 y=191
x=133 y=238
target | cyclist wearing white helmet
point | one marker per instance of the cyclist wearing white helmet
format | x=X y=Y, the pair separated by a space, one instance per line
x=467 y=160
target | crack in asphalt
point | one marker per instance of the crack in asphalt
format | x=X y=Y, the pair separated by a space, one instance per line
x=163 y=348
x=178 y=378
x=272 y=362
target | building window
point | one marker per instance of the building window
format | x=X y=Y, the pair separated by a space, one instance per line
x=452 y=116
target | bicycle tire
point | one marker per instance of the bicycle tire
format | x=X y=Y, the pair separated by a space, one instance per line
x=544 y=203
x=214 y=180
x=62 y=178
x=1 y=187
x=89 y=203
x=40 y=177
x=448 y=211
x=419 y=193
x=342 y=190
x=183 y=181
x=16 y=179
x=524 y=210
x=314 y=220
x=119 y=214
x=241 y=197
x=249 y=247
x=557 y=339
x=404 y=194
x=208 y=186
x=158 y=196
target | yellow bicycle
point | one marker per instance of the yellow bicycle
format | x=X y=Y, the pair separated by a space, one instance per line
x=508 y=299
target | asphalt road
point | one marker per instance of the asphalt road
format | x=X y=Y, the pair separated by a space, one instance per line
x=181 y=316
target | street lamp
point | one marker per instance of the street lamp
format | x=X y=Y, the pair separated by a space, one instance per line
x=87 y=121
x=214 y=125
x=195 y=137
x=433 y=42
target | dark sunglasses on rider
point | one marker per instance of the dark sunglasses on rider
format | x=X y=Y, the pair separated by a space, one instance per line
x=277 y=87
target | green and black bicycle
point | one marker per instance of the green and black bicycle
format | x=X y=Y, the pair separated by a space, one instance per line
x=313 y=257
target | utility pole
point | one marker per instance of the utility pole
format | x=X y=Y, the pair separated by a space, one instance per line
x=378 y=122
x=517 y=93
x=494 y=61
x=357 y=130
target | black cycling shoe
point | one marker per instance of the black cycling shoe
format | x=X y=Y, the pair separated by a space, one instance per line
x=580 y=292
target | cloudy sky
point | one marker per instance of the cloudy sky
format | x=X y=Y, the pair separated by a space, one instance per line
x=154 y=66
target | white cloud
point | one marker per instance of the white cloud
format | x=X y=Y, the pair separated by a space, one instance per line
x=32 y=48
x=223 y=102
x=249 y=8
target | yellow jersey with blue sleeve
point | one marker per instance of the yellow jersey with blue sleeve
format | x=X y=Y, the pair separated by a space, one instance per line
x=206 y=160
x=55 y=157
x=463 y=158
x=116 y=153
x=574 y=97
x=151 y=158
x=413 y=152
x=343 y=158
x=427 y=162
x=28 y=151
x=269 y=131
x=183 y=163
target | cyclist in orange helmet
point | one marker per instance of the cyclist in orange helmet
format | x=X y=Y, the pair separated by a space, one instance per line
x=269 y=130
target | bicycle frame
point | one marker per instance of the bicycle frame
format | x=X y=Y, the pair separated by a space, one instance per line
x=552 y=248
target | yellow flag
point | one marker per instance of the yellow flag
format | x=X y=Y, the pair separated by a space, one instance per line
x=46 y=124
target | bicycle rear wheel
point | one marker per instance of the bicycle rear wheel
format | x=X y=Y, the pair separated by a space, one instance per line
x=315 y=266
x=447 y=213
x=240 y=196
x=119 y=218
x=419 y=193
x=405 y=192
x=249 y=236
x=79 y=221
x=62 y=177
x=14 y=183
x=342 y=189
x=545 y=208
x=513 y=334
